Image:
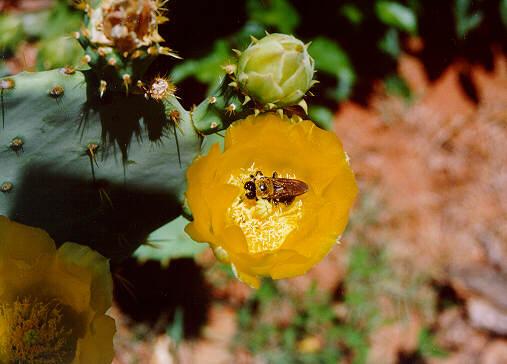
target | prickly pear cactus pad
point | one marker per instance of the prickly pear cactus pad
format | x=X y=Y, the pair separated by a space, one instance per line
x=105 y=171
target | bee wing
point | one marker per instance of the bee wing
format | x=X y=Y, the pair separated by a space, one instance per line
x=288 y=187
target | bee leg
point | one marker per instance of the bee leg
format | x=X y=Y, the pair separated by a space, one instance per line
x=275 y=175
x=258 y=173
x=288 y=200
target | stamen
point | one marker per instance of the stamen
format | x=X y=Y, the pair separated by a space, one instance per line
x=35 y=332
x=266 y=225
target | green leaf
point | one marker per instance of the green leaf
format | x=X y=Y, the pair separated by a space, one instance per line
x=390 y=43
x=207 y=69
x=330 y=58
x=321 y=116
x=396 y=15
x=353 y=13
x=175 y=330
x=278 y=14
x=427 y=346
x=503 y=12
x=169 y=242
x=466 y=20
x=396 y=85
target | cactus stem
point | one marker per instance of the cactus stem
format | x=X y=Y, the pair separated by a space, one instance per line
x=247 y=99
x=16 y=144
x=303 y=105
x=6 y=187
x=56 y=92
x=212 y=100
x=102 y=88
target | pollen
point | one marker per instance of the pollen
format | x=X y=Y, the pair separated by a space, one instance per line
x=265 y=225
x=33 y=331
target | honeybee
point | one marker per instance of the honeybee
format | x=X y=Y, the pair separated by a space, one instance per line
x=274 y=189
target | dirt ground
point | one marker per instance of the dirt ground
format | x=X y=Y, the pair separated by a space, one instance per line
x=435 y=171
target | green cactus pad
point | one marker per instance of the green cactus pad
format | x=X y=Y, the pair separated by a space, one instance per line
x=104 y=172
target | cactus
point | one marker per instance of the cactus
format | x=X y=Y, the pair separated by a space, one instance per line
x=99 y=156
x=106 y=171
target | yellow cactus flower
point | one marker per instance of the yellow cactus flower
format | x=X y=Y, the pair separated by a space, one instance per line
x=283 y=231
x=52 y=301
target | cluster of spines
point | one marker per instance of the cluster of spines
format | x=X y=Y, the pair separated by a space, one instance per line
x=114 y=65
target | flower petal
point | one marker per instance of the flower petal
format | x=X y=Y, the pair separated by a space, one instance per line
x=97 y=346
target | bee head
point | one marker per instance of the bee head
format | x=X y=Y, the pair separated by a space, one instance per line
x=250 y=188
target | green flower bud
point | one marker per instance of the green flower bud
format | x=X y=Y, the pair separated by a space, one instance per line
x=275 y=70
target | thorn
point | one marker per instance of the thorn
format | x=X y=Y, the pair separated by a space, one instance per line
x=111 y=61
x=76 y=35
x=297 y=118
x=256 y=112
x=230 y=109
x=303 y=105
x=270 y=106
x=126 y=82
x=86 y=59
x=233 y=84
x=230 y=68
x=253 y=39
x=247 y=100
x=138 y=53
x=56 y=91
x=280 y=113
x=6 y=187
x=237 y=52
x=166 y=51
x=267 y=33
x=102 y=88
x=5 y=84
x=314 y=82
x=68 y=70
x=308 y=44
x=311 y=93
x=177 y=143
x=212 y=100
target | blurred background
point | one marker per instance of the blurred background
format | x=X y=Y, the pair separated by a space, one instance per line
x=417 y=92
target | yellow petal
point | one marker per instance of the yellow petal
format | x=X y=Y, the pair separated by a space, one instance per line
x=88 y=266
x=97 y=346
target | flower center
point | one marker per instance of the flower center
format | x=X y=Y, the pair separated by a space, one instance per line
x=264 y=223
x=33 y=331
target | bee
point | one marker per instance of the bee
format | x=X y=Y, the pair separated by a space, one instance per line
x=274 y=189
